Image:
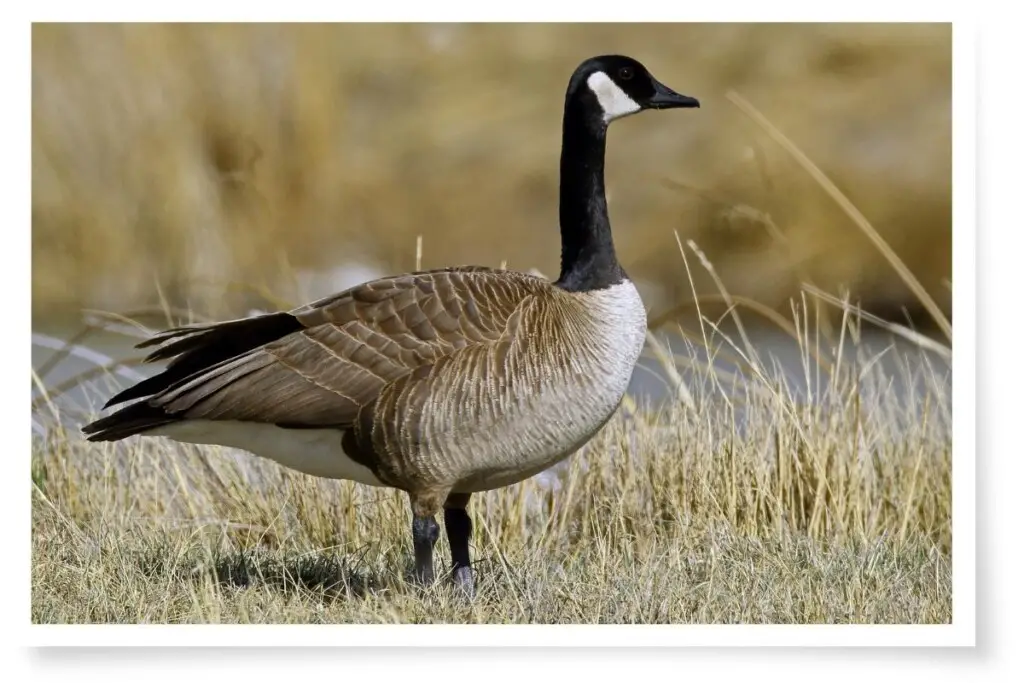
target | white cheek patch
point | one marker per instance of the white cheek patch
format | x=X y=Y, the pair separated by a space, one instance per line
x=613 y=99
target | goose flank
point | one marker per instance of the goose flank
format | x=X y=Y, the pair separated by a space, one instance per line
x=440 y=383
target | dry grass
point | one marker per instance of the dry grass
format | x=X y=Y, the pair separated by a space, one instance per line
x=754 y=505
x=143 y=170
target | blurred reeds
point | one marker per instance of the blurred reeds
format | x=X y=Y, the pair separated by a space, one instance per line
x=185 y=158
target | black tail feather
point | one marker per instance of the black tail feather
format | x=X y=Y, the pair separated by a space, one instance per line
x=130 y=420
x=202 y=348
x=194 y=350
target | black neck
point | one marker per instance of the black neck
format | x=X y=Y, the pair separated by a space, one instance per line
x=588 y=254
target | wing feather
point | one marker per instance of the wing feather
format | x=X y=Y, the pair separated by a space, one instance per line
x=336 y=356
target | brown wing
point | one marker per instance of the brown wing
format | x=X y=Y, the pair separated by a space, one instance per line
x=351 y=345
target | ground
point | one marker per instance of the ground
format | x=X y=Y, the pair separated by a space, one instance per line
x=746 y=506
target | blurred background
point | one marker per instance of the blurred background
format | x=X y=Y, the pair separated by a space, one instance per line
x=218 y=165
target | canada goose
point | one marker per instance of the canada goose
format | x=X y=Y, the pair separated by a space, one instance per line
x=440 y=383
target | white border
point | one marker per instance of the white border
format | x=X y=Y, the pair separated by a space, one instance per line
x=524 y=11
x=964 y=334
x=517 y=635
x=961 y=632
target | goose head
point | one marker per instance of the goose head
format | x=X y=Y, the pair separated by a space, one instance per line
x=613 y=86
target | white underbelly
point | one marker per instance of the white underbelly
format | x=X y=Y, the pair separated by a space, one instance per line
x=312 y=451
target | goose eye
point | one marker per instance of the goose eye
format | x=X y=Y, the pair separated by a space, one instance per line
x=626 y=73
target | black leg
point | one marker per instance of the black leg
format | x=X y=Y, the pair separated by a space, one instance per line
x=459 y=528
x=424 y=535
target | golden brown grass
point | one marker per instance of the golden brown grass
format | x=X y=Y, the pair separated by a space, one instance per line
x=144 y=168
x=754 y=505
